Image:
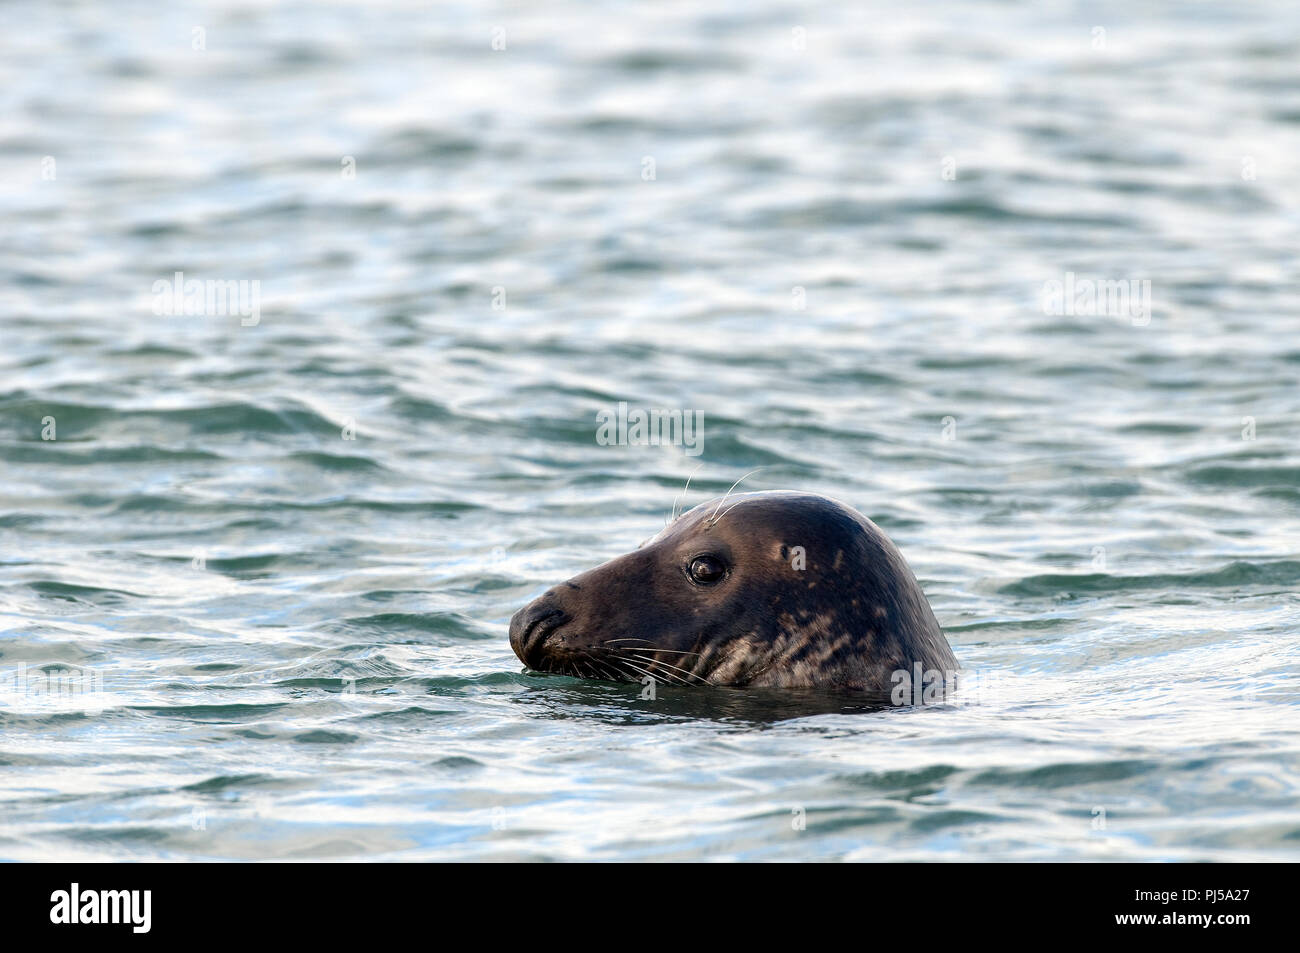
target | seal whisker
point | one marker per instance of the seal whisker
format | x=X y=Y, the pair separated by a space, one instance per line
x=668 y=665
x=667 y=675
x=727 y=510
x=670 y=675
x=648 y=646
x=626 y=675
x=609 y=665
x=712 y=519
x=673 y=519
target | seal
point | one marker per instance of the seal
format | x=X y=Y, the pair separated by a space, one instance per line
x=774 y=589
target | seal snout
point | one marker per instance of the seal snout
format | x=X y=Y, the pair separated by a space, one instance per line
x=529 y=628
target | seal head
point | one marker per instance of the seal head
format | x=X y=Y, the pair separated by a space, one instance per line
x=775 y=589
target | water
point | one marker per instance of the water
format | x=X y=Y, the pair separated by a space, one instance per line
x=276 y=642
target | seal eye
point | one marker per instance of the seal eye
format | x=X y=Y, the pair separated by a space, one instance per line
x=707 y=570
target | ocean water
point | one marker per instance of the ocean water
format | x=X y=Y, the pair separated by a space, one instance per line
x=256 y=566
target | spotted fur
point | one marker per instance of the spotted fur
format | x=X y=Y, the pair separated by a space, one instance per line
x=851 y=618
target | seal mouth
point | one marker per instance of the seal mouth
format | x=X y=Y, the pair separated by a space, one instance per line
x=540 y=640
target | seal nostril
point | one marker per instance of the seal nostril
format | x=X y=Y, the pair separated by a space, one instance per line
x=530 y=627
x=538 y=624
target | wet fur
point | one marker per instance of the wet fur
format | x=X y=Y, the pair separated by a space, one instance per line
x=848 y=620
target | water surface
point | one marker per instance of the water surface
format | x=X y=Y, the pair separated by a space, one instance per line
x=294 y=643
